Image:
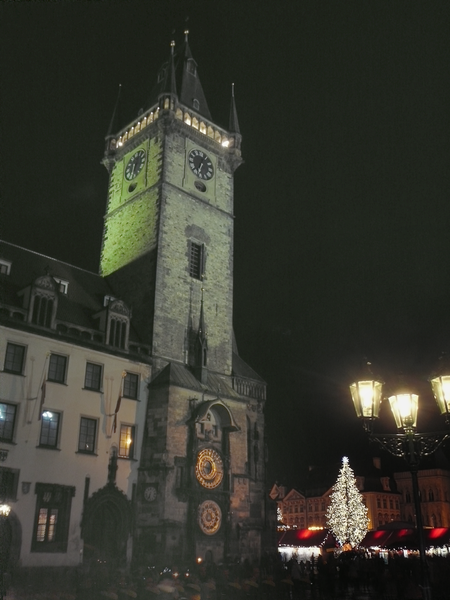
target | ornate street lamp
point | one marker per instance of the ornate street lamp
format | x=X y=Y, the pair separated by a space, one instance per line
x=408 y=443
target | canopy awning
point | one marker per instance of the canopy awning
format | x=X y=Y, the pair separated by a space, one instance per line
x=305 y=538
x=406 y=538
x=381 y=538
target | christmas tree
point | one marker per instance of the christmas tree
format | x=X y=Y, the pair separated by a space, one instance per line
x=347 y=515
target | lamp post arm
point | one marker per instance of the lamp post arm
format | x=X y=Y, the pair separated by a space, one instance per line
x=410 y=446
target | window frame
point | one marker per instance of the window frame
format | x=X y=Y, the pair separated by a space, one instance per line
x=57 y=498
x=126 y=394
x=5 y=267
x=130 y=451
x=4 y=438
x=88 y=387
x=94 y=443
x=66 y=361
x=196 y=266
x=9 y=482
x=55 y=445
x=22 y=361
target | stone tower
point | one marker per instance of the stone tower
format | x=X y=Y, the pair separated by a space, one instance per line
x=168 y=248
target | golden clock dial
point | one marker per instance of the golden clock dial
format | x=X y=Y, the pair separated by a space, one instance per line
x=209 y=468
x=209 y=517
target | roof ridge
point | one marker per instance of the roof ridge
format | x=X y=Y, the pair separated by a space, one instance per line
x=51 y=258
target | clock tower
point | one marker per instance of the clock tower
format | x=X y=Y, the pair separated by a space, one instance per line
x=168 y=252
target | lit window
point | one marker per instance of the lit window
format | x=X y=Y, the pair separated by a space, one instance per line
x=130 y=386
x=93 y=378
x=88 y=430
x=57 y=368
x=126 y=441
x=5 y=267
x=49 y=429
x=14 y=359
x=51 y=527
x=7 y=420
x=196 y=260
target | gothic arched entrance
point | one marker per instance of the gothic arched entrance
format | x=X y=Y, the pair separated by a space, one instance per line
x=107 y=527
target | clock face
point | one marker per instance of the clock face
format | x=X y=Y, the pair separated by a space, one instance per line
x=135 y=164
x=209 y=468
x=150 y=493
x=201 y=164
x=209 y=517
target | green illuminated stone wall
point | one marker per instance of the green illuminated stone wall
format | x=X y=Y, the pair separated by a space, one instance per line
x=131 y=220
x=130 y=232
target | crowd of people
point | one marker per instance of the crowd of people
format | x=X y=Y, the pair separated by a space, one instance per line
x=348 y=575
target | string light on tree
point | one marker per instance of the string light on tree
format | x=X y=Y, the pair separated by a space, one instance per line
x=347 y=516
x=279 y=515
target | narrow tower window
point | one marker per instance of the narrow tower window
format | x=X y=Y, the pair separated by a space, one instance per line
x=196 y=260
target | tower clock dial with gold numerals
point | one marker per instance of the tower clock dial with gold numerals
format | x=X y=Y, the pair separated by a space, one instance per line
x=135 y=164
x=209 y=468
x=200 y=164
x=209 y=517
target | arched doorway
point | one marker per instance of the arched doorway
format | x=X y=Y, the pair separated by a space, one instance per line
x=106 y=528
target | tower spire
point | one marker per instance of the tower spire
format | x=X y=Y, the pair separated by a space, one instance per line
x=234 y=122
x=191 y=94
x=114 y=125
x=202 y=345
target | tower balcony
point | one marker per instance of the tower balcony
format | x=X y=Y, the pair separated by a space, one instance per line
x=187 y=116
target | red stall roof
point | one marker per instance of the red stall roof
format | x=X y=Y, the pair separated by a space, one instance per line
x=384 y=538
x=305 y=537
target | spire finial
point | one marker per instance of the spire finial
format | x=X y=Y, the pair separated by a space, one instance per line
x=186 y=33
x=172 y=46
x=234 y=122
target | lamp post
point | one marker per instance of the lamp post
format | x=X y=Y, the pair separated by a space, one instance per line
x=408 y=443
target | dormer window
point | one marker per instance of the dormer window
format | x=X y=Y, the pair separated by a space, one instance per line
x=195 y=104
x=191 y=67
x=63 y=286
x=117 y=333
x=108 y=299
x=118 y=324
x=5 y=267
x=161 y=74
x=43 y=300
x=42 y=310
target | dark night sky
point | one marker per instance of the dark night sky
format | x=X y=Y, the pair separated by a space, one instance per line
x=342 y=206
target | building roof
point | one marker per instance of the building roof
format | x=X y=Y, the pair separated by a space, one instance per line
x=79 y=307
x=182 y=376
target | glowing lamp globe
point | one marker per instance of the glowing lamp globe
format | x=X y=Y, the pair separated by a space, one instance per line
x=441 y=390
x=367 y=396
x=404 y=408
